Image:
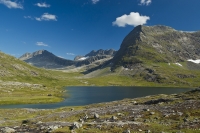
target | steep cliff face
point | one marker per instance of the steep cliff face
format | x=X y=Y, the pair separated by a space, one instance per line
x=157 y=44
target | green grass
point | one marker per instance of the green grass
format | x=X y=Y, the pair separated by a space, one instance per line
x=52 y=81
x=14 y=117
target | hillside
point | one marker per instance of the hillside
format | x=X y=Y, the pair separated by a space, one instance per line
x=158 y=44
x=159 y=54
x=24 y=83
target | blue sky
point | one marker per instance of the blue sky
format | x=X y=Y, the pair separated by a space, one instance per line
x=75 y=27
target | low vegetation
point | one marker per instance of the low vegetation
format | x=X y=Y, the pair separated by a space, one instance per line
x=157 y=113
x=21 y=83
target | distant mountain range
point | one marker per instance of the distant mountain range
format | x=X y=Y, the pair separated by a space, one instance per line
x=45 y=59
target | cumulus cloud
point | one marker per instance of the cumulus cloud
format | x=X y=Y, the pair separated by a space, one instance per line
x=10 y=4
x=145 y=2
x=70 y=53
x=41 y=44
x=134 y=19
x=95 y=1
x=43 y=5
x=47 y=17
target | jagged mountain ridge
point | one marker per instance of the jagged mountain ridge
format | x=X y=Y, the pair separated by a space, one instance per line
x=94 y=56
x=110 y=52
x=45 y=59
x=101 y=53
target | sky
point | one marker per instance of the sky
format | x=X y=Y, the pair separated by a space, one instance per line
x=68 y=28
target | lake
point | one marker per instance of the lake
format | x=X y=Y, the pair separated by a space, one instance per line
x=89 y=95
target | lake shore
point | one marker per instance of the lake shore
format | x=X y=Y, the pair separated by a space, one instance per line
x=84 y=95
x=156 y=113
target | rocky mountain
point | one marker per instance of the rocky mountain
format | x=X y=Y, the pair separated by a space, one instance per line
x=110 y=52
x=94 y=56
x=154 y=54
x=151 y=51
x=45 y=59
x=158 y=44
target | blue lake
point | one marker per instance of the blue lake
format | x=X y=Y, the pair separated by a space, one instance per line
x=89 y=95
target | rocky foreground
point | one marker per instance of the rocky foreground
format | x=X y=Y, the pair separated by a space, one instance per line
x=176 y=113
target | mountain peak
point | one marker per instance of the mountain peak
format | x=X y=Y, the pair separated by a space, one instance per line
x=44 y=58
x=157 y=43
x=41 y=52
x=101 y=52
x=26 y=56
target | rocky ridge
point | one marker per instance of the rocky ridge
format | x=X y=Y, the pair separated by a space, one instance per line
x=45 y=59
x=148 y=50
x=157 y=44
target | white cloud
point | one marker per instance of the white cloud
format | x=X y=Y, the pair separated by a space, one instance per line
x=133 y=19
x=47 y=17
x=11 y=4
x=70 y=53
x=28 y=17
x=41 y=44
x=95 y=1
x=145 y=2
x=43 y=5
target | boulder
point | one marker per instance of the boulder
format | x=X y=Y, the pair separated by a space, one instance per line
x=114 y=118
x=152 y=113
x=127 y=131
x=8 y=130
x=76 y=125
x=146 y=110
x=85 y=117
x=96 y=116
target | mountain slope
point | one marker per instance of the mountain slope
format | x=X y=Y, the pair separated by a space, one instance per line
x=159 y=54
x=158 y=44
x=24 y=83
x=43 y=58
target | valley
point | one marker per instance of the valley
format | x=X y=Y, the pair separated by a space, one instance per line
x=149 y=56
x=156 y=56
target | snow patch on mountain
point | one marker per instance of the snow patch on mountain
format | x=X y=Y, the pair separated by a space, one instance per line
x=194 y=61
x=82 y=58
x=178 y=64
